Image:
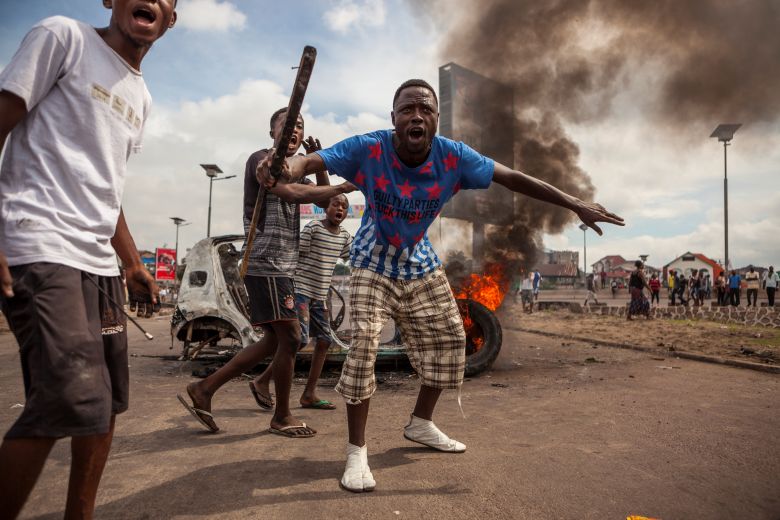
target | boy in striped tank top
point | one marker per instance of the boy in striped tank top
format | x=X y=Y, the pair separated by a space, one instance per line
x=322 y=243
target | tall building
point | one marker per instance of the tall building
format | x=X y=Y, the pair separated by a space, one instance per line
x=480 y=112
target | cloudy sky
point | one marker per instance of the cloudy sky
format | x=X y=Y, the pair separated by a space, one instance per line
x=226 y=66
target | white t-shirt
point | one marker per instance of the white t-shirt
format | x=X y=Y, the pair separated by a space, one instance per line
x=752 y=280
x=63 y=172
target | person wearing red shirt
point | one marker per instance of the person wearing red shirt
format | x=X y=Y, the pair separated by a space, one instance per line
x=655 y=289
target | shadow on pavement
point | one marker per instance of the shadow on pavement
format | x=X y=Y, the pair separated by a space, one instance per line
x=225 y=488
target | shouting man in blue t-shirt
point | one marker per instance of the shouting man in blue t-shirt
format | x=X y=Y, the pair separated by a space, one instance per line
x=407 y=175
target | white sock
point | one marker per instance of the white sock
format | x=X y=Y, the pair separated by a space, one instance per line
x=357 y=475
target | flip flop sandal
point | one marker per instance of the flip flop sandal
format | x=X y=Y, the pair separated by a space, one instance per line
x=204 y=417
x=264 y=402
x=322 y=404
x=289 y=431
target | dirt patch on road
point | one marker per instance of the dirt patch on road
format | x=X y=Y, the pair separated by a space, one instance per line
x=757 y=344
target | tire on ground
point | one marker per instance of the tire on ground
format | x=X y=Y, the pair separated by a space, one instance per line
x=483 y=358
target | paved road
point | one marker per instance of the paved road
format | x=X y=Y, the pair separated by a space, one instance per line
x=550 y=435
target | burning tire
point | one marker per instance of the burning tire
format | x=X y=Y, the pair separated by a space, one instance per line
x=483 y=336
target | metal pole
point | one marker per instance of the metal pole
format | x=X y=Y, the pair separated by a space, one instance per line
x=176 y=264
x=208 y=225
x=725 y=207
x=585 y=252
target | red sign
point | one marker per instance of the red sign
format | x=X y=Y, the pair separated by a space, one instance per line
x=166 y=264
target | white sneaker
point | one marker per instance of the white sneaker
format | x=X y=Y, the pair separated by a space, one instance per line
x=425 y=432
x=357 y=475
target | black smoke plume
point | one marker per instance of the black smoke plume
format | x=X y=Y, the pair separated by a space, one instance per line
x=691 y=65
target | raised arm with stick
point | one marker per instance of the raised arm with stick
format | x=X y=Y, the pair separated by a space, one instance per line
x=293 y=110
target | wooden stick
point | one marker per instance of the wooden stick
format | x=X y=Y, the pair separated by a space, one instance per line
x=293 y=110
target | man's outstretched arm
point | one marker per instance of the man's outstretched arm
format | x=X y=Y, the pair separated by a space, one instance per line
x=297 y=167
x=294 y=169
x=589 y=212
x=307 y=193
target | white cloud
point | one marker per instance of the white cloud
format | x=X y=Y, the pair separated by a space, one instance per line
x=351 y=13
x=210 y=15
x=165 y=180
x=669 y=186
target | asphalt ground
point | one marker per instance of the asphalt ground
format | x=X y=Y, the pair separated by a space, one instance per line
x=556 y=430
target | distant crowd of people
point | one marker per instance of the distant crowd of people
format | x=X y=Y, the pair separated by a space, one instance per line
x=683 y=288
x=698 y=286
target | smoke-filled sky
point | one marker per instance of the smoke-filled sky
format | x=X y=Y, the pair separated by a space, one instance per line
x=622 y=95
x=671 y=67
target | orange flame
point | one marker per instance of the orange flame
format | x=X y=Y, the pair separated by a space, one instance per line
x=488 y=289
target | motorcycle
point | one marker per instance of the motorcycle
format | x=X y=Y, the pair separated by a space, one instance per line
x=211 y=317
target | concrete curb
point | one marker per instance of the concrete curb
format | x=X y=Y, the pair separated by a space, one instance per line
x=772 y=369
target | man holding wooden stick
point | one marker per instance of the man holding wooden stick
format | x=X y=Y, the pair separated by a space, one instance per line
x=269 y=283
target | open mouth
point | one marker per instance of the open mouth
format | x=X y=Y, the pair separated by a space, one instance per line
x=416 y=133
x=144 y=16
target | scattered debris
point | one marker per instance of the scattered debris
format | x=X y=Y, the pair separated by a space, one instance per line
x=592 y=360
x=17 y=405
x=500 y=385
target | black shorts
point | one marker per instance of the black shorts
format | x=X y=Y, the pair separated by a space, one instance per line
x=73 y=348
x=271 y=298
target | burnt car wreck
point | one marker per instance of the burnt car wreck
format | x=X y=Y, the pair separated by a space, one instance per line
x=212 y=313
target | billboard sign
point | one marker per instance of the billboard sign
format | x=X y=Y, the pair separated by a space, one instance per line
x=165 y=264
x=149 y=263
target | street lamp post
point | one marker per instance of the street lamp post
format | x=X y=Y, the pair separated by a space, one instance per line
x=178 y=222
x=724 y=133
x=212 y=171
x=584 y=229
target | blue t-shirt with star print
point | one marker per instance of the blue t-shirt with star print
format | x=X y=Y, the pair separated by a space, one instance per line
x=402 y=202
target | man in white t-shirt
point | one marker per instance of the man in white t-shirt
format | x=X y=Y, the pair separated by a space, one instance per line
x=752 y=278
x=73 y=104
x=770 y=284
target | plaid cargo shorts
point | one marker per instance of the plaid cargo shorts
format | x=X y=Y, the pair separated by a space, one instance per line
x=427 y=316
